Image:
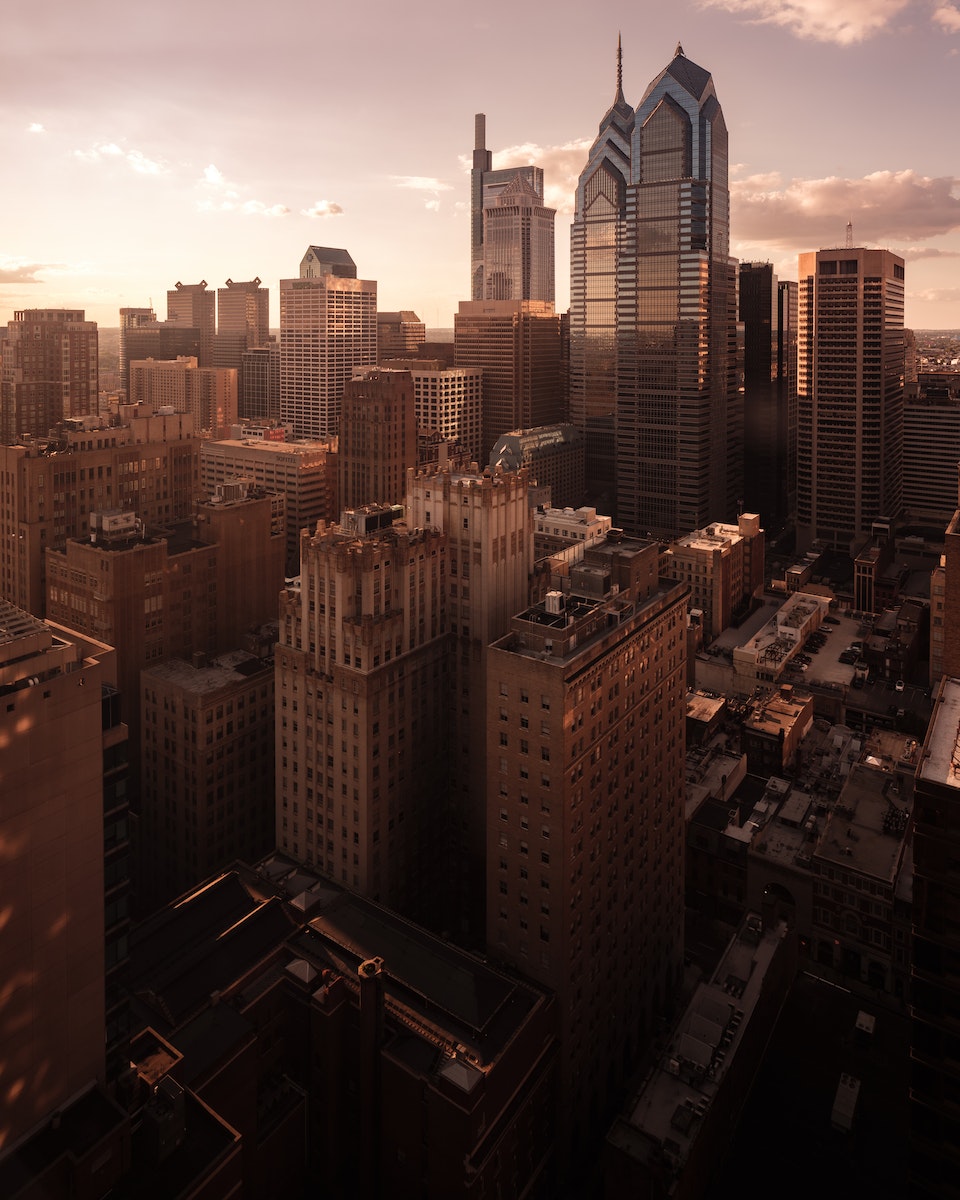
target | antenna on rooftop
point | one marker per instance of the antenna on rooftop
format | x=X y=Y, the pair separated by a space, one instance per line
x=849 y=235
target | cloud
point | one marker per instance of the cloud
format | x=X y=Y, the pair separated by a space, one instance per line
x=432 y=205
x=15 y=270
x=214 y=180
x=322 y=208
x=936 y=295
x=947 y=16
x=421 y=183
x=561 y=165
x=883 y=206
x=841 y=21
x=914 y=253
x=35 y=127
x=135 y=159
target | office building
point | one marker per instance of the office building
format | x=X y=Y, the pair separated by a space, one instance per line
x=131 y=318
x=191 y=306
x=488 y=524
x=328 y=329
x=486 y=185
x=931 y=447
x=304 y=473
x=768 y=313
x=447 y=400
x=258 y=394
x=557 y=531
x=849 y=395
x=517 y=345
x=653 y=383
x=49 y=372
x=935 y=994
x=362 y=709
x=399 y=334
x=723 y=568
x=243 y=323
x=207 y=782
x=378 y=437
x=553 y=455
x=162 y=341
x=518 y=259
x=209 y=394
x=54 y=733
x=586 y=703
x=147 y=465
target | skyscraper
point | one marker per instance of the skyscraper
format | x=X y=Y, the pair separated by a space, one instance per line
x=131 y=318
x=768 y=311
x=850 y=361
x=328 y=327
x=191 y=306
x=486 y=185
x=518 y=245
x=49 y=372
x=243 y=322
x=653 y=309
x=378 y=437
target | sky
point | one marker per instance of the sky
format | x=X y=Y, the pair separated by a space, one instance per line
x=146 y=144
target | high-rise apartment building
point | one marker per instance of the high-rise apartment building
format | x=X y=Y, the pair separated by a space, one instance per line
x=653 y=380
x=209 y=394
x=518 y=346
x=585 y=814
x=328 y=328
x=191 y=306
x=486 y=185
x=147 y=465
x=52 y=829
x=378 y=437
x=768 y=313
x=49 y=372
x=850 y=363
x=362 y=709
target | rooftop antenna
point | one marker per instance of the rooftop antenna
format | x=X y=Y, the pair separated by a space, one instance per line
x=849 y=235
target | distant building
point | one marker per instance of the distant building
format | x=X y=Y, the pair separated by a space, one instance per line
x=849 y=380
x=304 y=473
x=162 y=341
x=518 y=346
x=208 y=393
x=378 y=437
x=147 y=465
x=931 y=448
x=57 y=823
x=191 y=306
x=328 y=328
x=399 y=334
x=553 y=455
x=259 y=394
x=131 y=319
x=48 y=373
x=529 y=257
x=243 y=323
x=447 y=400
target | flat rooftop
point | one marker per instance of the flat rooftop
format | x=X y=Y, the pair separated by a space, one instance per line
x=941 y=763
x=866 y=830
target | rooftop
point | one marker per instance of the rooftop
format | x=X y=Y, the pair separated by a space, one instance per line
x=941 y=762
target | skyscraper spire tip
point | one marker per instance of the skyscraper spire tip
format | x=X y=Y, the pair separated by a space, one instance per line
x=678 y=53
x=619 y=95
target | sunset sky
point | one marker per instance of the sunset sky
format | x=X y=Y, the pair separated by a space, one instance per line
x=147 y=144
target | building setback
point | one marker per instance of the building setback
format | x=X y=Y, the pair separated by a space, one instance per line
x=585 y=814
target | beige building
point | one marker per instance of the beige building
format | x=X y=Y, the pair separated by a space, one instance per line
x=328 y=329
x=362 y=709
x=208 y=393
x=378 y=437
x=489 y=528
x=723 y=566
x=399 y=334
x=147 y=465
x=557 y=529
x=52 y=961
x=586 y=702
x=208 y=768
x=304 y=473
x=191 y=306
x=49 y=372
x=774 y=726
x=447 y=400
x=517 y=344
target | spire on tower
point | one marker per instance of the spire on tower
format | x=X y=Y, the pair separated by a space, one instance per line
x=619 y=95
x=678 y=53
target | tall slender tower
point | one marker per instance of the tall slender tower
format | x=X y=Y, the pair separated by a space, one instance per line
x=850 y=363
x=653 y=308
x=191 y=306
x=486 y=185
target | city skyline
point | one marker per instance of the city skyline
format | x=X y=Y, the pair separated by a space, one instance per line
x=145 y=154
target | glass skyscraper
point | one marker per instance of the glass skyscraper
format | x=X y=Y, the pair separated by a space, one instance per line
x=653 y=356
